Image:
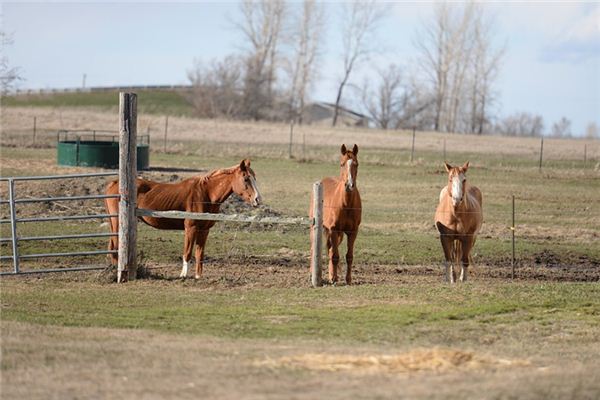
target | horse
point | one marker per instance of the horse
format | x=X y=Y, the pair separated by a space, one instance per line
x=203 y=194
x=342 y=211
x=458 y=219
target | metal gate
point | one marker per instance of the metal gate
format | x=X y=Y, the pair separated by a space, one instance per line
x=13 y=221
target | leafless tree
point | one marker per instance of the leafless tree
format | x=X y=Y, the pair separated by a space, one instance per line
x=360 y=21
x=8 y=75
x=520 y=124
x=562 y=128
x=592 y=131
x=262 y=24
x=456 y=54
x=385 y=102
x=306 y=40
x=217 y=88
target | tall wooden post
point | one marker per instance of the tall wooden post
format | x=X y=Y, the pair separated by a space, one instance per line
x=317 y=234
x=541 y=152
x=412 y=150
x=127 y=266
x=166 y=130
x=512 y=228
x=291 y=138
x=34 y=128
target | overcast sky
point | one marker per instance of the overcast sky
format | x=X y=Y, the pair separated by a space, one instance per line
x=551 y=66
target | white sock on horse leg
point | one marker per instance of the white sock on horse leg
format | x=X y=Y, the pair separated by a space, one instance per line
x=184 y=269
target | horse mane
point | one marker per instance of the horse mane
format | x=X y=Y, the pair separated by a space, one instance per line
x=470 y=200
x=217 y=172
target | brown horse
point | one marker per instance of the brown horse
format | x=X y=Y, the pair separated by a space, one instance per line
x=198 y=194
x=341 y=212
x=458 y=218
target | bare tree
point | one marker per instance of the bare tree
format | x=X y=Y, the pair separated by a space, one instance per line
x=521 y=124
x=306 y=40
x=359 y=23
x=385 y=103
x=592 y=131
x=562 y=128
x=262 y=26
x=217 y=88
x=8 y=76
x=456 y=55
x=486 y=62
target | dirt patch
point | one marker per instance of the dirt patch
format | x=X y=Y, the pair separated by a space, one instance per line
x=418 y=360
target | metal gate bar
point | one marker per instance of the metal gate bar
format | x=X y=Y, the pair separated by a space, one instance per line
x=79 y=236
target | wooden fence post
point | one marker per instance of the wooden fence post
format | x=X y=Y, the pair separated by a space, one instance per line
x=541 y=153
x=127 y=266
x=166 y=130
x=412 y=150
x=512 y=228
x=34 y=128
x=291 y=138
x=317 y=234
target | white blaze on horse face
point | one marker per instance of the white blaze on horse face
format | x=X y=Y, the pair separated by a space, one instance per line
x=257 y=197
x=457 y=189
x=349 y=181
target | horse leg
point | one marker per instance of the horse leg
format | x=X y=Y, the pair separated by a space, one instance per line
x=188 y=245
x=467 y=245
x=447 y=244
x=200 y=242
x=350 y=255
x=112 y=207
x=334 y=255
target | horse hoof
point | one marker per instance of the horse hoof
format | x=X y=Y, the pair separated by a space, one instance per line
x=196 y=277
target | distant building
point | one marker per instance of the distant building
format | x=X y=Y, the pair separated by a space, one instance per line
x=321 y=113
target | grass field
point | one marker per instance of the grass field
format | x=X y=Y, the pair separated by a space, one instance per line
x=252 y=327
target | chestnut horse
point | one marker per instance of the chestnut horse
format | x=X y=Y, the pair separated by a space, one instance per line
x=203 y=194
x=341 y=212
x=458 y=218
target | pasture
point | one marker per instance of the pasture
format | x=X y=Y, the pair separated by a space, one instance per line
x=252 y=327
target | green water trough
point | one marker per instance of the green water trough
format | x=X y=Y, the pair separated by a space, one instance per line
x=94 y=149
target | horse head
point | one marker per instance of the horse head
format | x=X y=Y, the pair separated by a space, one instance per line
x=244 y=184
x=349 y=166
x=456 y=182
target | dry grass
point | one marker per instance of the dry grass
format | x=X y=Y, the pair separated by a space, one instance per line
x=18 y=121
x=418 y=360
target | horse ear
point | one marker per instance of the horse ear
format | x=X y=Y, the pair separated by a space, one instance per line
x=343 y=149
x=244 y=166
x=355 y=149
x=465 y=167
x=448 y=166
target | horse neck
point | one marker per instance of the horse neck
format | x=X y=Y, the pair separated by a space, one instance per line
x=219 y=187
x=346 y=197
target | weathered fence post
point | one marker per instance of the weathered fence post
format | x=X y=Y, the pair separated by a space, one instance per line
x=34 y=128
x=317 y=233
x=291 y=138
x=13 y=224
x=127 y=266
x=541 y=152
x=166 y=130
x=412 y=150
x=512 y=228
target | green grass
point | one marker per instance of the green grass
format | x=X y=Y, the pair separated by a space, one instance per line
x=152 y=102
x=363 y=313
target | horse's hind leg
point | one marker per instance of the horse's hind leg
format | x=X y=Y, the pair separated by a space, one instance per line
x=350 y=255
x=112 y=207
x=188 y=245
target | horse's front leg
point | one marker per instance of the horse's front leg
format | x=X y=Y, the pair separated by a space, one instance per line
x=200 y=242
x=467 y=245
x=189 y=240
x=333 y=243
x=350 y=255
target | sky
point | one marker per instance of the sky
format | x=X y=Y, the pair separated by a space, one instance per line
x=551 y=65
